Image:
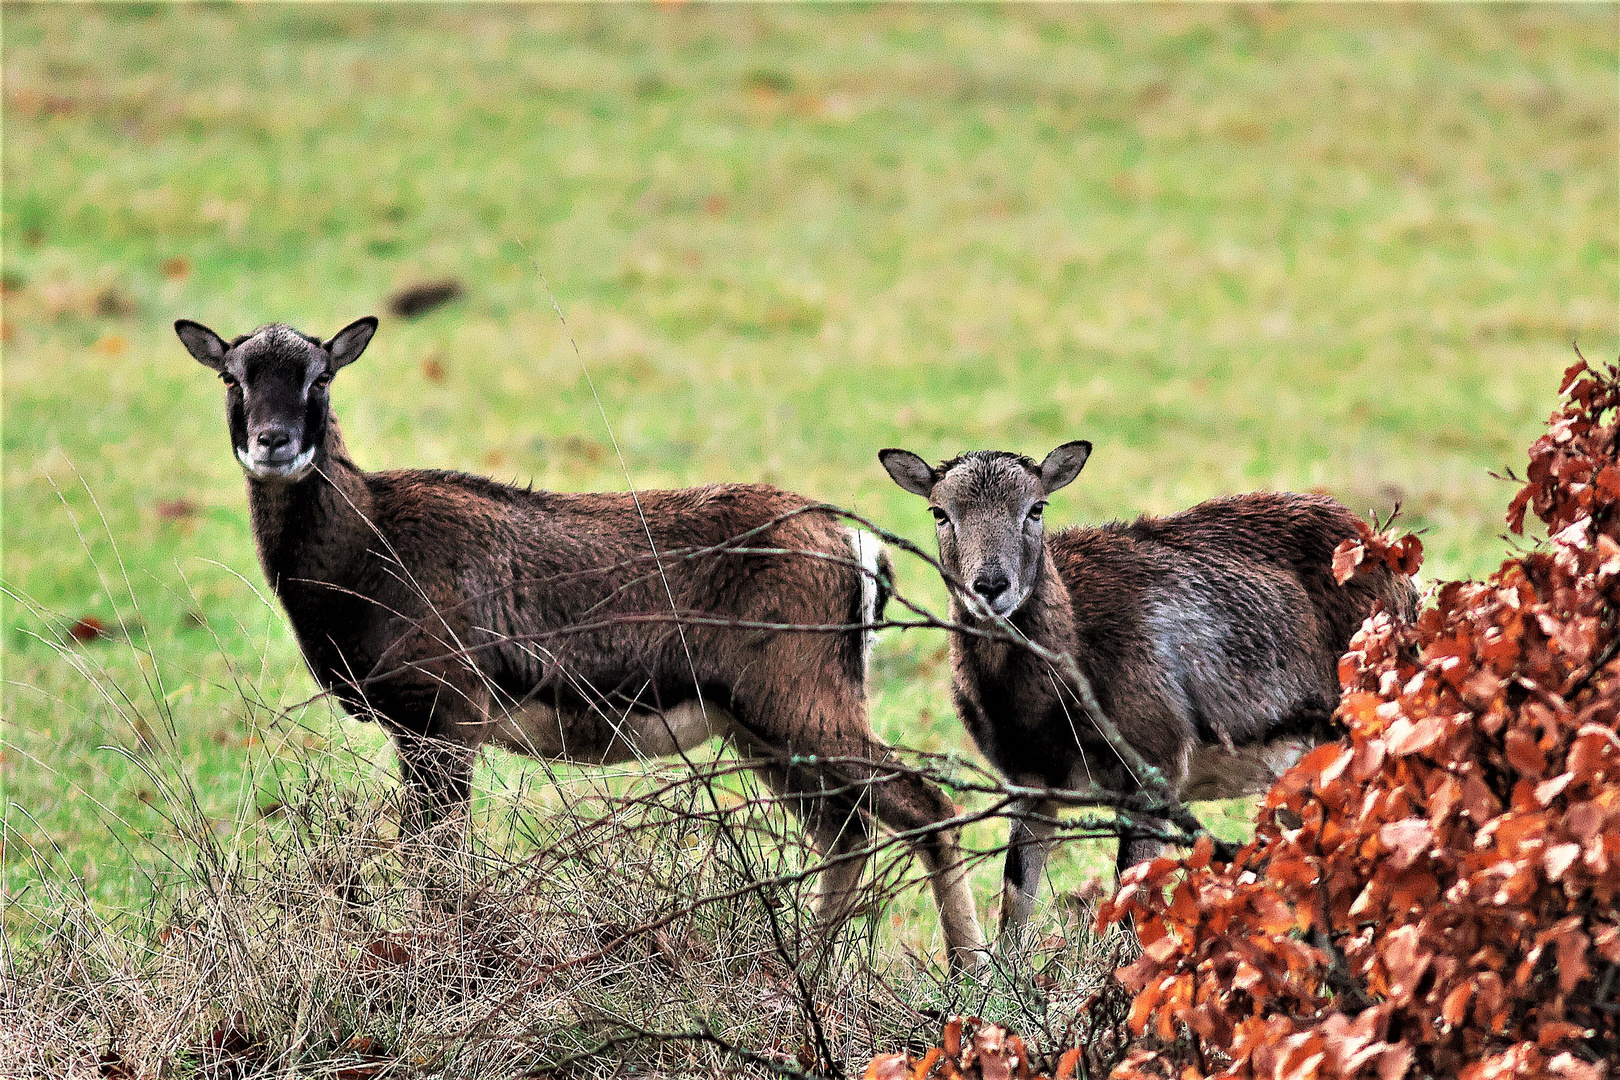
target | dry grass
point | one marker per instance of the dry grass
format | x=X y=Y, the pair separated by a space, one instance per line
x=662 y=931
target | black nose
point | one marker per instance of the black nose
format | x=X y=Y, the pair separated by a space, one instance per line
x=273 y=439
x=989 y=586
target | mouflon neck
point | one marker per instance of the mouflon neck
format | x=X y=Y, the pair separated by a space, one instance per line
x=316 y=528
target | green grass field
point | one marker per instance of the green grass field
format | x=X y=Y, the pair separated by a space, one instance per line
x=1343 y=248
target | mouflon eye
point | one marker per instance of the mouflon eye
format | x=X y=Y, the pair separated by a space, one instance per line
x=324 y=380
x=940 y=516
x=1036 y=511
x=227 y=378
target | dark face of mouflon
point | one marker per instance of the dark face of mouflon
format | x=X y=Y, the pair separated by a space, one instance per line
x=987 y=506
x=276 y=390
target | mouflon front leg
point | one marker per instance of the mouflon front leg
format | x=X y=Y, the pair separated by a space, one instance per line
x=1029 y=842
x=435 y=735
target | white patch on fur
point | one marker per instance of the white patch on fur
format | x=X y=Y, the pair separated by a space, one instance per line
x=293 y=470
x=540 y=731
x=1214 y=772
x=867 y=549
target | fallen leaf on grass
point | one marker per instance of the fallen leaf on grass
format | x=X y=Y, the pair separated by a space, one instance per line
x=384 y=952
x=366 y=1070
x=37 y=103
x=114 y=1067
x=88 y=628
x=230 y=1049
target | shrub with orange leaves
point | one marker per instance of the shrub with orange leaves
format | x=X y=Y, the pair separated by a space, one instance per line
x=970 y=1050
x=1436 y=894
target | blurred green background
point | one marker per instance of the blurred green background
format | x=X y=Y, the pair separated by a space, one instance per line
x=1315 y=247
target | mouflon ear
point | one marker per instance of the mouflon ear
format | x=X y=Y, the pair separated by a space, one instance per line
x=207 y=347
x=1064 y=464
x=348 y=343
x=909 y=471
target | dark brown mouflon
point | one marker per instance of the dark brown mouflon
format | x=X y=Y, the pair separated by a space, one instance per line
x=457 y=611
x=1211 y=637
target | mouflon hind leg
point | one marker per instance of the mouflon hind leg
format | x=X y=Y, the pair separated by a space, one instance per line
x=845 y=846
x=804 y=716
x=1140 y=849
x=839 y=832
x=833 y=801
x=913 y=806
x=1135 y=849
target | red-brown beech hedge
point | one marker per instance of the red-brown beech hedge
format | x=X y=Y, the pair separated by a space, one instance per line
x=1434 y=896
